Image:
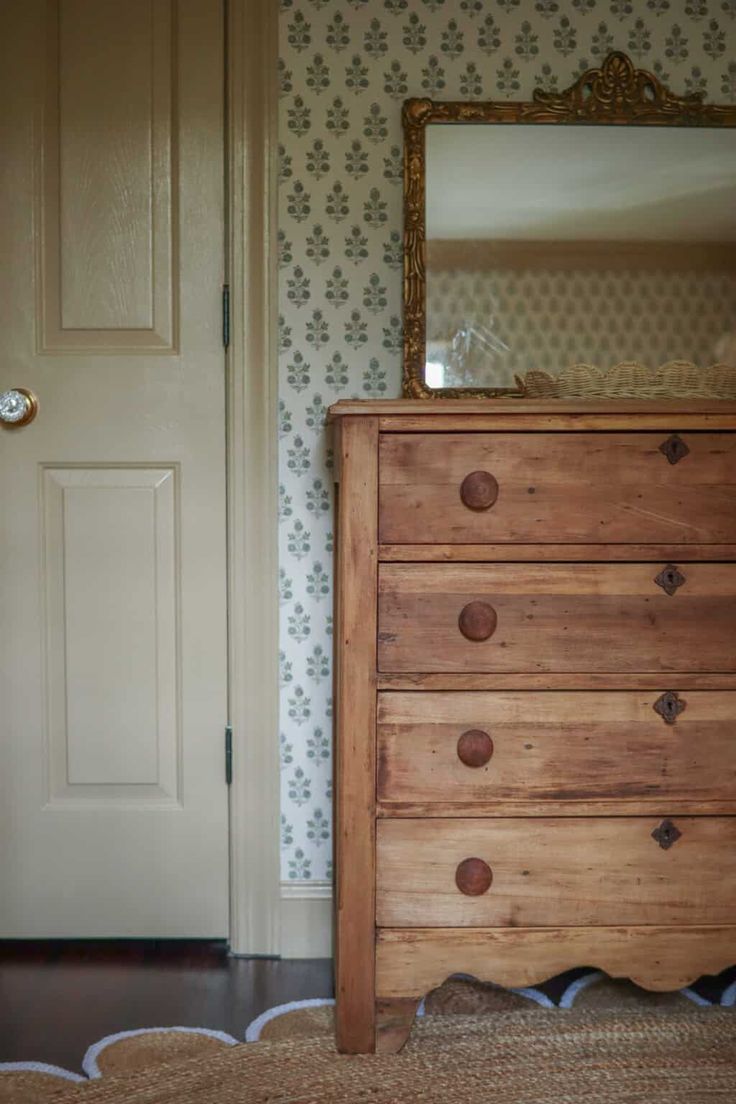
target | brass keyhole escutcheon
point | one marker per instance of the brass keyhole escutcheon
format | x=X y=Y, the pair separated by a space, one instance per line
x=674 y=448
x=669 y=706
x=670 y=579
x=666 y=834
x=473 y=877
x=477 y=621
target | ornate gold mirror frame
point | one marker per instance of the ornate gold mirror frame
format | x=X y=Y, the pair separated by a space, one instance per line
x=615 y=94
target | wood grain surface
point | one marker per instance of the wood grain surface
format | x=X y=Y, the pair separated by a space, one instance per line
x=557 y=618
x=560 y=870
x=411 y=962
x=355 y=744
x=525 y=680
x=631 y=412
x=565 y=747
x=585 y=487
x=553 y=552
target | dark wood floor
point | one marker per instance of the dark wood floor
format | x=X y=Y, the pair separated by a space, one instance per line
x=56 y=998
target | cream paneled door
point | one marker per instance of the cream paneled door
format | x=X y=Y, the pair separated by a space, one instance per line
x=113 y=803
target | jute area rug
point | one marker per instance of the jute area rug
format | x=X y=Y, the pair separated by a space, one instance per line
x=475 y=1044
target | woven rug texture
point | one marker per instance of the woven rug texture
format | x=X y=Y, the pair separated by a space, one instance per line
x=516 y=1057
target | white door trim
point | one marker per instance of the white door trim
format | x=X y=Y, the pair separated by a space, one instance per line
x=253 y=477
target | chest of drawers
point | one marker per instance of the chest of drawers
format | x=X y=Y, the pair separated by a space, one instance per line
x=535 y=754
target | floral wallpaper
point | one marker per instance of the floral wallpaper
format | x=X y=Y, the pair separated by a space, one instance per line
x=345 y=68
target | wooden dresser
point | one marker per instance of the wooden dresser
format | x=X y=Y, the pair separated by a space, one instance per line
x=536 y=697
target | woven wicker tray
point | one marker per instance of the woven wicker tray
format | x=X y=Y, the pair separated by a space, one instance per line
x=678 y=379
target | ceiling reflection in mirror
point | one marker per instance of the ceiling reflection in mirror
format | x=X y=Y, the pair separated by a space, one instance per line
x=553 y=246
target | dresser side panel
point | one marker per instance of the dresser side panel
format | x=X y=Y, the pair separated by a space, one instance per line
x=355 y=686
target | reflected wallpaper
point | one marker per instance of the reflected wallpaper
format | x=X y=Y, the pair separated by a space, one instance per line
x=492 y=326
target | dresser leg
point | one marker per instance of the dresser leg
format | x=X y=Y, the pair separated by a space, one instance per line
x=355 y=1006
x=394 y=1021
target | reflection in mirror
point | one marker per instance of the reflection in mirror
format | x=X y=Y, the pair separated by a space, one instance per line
x=551 y=246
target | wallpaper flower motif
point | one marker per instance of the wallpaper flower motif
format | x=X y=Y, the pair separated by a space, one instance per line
x=345 y=68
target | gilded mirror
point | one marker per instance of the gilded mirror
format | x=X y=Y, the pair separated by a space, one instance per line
x=534 y=247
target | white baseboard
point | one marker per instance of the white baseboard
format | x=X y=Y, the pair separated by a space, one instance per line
x=306 y=920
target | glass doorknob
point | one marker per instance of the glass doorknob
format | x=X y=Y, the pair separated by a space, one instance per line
x=18 y=406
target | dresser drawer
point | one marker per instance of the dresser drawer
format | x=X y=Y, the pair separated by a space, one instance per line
x=555 y=870
x=508 y=750
x=471 y=488
x=557 y=618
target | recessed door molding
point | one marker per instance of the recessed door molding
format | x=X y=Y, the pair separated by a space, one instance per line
x=113 y=290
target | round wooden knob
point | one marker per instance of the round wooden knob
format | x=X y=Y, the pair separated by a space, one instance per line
x=479 y=490
x=473 y=877
x=475 y=748
x=477 y=621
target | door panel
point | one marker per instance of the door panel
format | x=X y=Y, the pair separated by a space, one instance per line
x=111 y=632
x=108 y=146
x=113 y=804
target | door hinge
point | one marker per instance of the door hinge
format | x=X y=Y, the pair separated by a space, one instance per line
x=226 y=315
x=229 y=754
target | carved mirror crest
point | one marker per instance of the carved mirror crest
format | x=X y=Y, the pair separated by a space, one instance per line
x=530 y=248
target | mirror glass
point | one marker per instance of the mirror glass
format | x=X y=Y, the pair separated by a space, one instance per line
x=553 y=246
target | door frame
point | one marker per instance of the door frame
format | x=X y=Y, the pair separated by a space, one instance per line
x=252 y=475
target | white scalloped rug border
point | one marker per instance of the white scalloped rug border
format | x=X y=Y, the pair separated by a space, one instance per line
x=89 y=1062
x=41 y=1067
x=93 y=1052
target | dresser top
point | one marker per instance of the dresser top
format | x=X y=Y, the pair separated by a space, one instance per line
x=496 y=415
x=511 y=405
